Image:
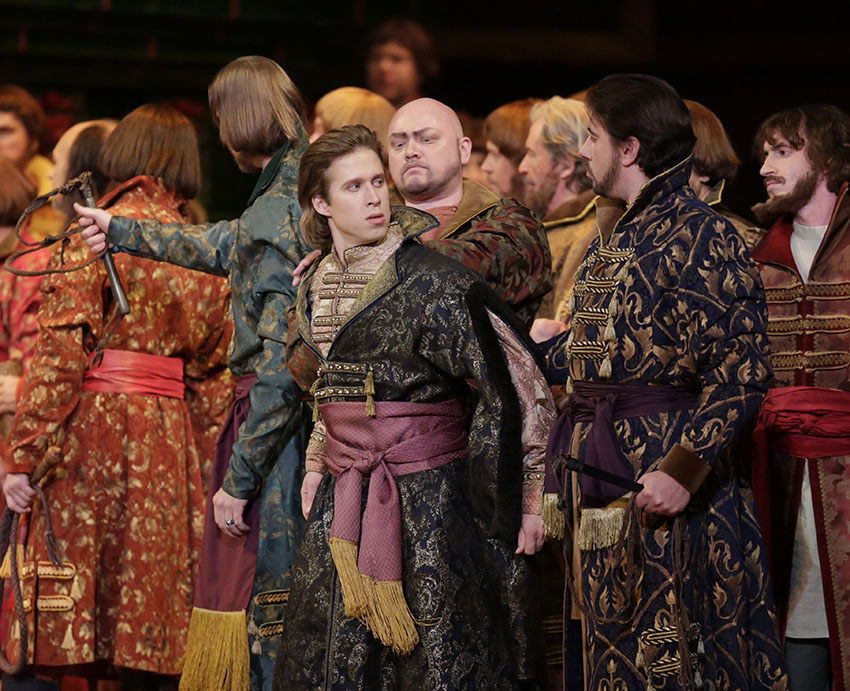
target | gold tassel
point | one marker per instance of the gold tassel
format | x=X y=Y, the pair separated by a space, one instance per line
x=369 y=388
x=600 y=528
x=256 y=647
x=605 y=368
x=216 y=652
x=354 y=594
x=622 y=273
x=391 y=620
x=553 y=517
x=77 y=589
x=68 y=642
x=6 y=566
x=612 y=306
x=571 y=304
x=610 y=334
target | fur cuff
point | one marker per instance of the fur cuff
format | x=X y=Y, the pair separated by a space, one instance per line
x=685 y=467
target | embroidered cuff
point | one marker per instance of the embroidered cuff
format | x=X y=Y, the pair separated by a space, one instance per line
x=314 y=460
x=532 y=491
x=685 y=467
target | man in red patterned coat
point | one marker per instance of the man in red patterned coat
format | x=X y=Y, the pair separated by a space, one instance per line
x=804 y=425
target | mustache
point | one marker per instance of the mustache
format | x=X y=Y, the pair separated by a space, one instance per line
x=774 y=178
x=413 y=164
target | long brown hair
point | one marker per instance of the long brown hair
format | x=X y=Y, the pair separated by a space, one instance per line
x=255 y=106
x=16 y=192
x=312 y=180
x=826 y=130
x=713 y=152
x=507 y=128
x=155 y=140
x=19 y=102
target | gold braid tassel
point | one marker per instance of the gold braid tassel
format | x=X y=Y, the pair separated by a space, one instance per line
x=355 y=595
x=390 y=619
x=600 y=528
x=217 y=654
x=6 y=566
x=553 y=517
x=369 y=389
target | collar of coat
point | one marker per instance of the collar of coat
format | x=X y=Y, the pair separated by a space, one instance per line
x=664 y=184
x=412 y=223
x=146 y=187
x=572 y=210
x=276 y=163
x=475 y=200
x=775 y=246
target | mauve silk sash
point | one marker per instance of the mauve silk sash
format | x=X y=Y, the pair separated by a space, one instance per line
x=402 y=438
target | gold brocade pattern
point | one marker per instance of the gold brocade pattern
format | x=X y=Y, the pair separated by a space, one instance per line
x=128 y=507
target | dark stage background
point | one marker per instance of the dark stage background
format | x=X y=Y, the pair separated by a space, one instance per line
x=744 y=60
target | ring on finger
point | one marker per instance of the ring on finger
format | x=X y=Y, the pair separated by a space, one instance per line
x=229 y=521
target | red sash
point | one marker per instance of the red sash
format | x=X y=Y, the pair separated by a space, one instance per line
x=803 y=422
x=140 y=374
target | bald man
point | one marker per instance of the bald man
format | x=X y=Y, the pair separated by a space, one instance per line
x=74 y=154
x=498 y=238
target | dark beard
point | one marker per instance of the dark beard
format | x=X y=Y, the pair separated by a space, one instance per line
x=769 y=212
x=605 y=185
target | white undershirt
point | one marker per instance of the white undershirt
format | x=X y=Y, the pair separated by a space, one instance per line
x=805 y=241
x=807 y=610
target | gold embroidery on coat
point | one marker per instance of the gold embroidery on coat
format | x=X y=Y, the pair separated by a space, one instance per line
x=54 y=603
x=272 y=597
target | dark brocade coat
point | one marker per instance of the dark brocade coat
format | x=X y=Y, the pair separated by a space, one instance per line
x=673 y=298
x=422 y=329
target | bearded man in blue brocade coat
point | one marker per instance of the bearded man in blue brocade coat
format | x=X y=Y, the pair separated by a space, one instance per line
x=665 y=363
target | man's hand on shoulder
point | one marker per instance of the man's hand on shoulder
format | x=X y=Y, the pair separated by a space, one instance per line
x=661 y=494
x=303 y=265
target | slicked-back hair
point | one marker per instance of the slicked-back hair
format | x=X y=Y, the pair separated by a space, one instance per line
x=826 y=130
x=19 y=102
x=507 y=128
x=312 y=180
x=16 y=192
x=255 y=106
x=648 y=109
x=155 y=140
x=714 y=155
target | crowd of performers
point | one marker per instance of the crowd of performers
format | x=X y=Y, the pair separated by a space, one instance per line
x=574 y=425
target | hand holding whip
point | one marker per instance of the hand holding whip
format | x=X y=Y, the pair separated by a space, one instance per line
x=99 y=222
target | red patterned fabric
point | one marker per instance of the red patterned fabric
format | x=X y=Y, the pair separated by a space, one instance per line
x=128 y=507
x=139 y=374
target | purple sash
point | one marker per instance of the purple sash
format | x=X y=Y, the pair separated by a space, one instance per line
x=600 y=404
x=402 y=438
